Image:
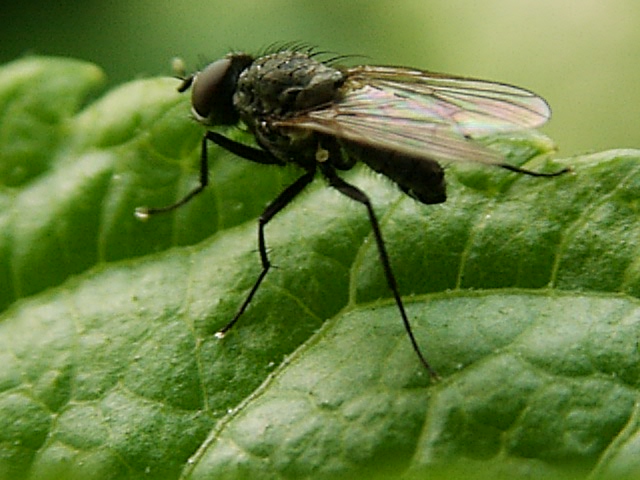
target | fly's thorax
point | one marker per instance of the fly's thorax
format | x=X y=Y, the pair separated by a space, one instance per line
x=291 y=145
x=282 y=84
x=279 y=86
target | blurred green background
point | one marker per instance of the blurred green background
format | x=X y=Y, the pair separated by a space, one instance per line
x=582 y=55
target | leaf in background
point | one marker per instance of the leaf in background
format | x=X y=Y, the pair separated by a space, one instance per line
x=523 y=292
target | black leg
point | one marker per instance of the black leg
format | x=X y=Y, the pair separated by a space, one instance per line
x=513 y=168
x=359 y=196
x=245 y=151
x=272 y=209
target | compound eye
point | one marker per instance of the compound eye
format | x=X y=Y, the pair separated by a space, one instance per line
x=208 y=86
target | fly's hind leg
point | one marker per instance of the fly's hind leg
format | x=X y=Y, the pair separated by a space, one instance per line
x=359 y=196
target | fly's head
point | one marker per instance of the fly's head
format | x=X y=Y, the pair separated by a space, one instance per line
x=212 y=89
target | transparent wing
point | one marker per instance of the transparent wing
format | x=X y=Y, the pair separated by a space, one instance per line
x=424 y=114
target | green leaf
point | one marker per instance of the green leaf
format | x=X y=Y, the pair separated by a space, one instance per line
x=522 y=292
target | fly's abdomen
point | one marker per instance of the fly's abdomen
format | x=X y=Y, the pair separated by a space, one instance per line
x=418 y=177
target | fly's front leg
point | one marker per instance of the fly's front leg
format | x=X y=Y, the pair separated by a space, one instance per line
x=244 y=151
x=359 y=196
x=272 y=209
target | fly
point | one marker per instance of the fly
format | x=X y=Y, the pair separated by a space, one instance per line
x=401 y=122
